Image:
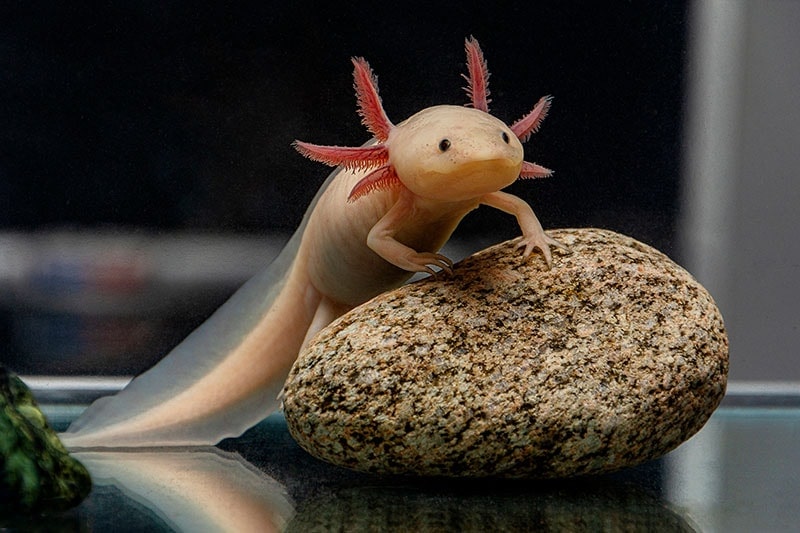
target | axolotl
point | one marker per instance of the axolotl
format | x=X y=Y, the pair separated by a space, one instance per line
x=381 y=216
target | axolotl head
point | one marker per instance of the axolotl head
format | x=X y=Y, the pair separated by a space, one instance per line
x=453 y=153
x=445 y=152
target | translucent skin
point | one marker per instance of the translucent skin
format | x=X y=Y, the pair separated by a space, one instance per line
x=378 y=219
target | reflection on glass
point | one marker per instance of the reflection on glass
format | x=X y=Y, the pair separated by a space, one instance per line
x=580 y=505
x=202 y=489
x=741 y=472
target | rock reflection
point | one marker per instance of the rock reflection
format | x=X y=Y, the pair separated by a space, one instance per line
x=202 y=489
x=573 y=508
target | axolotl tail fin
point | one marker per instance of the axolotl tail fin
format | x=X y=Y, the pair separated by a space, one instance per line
x=224 y=377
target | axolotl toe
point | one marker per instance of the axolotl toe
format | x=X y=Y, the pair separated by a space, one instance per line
x=381 y=216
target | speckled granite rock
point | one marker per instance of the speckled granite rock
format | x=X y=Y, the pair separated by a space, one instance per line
x=613 y=357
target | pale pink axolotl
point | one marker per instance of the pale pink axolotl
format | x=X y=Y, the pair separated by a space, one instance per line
x=380 y=217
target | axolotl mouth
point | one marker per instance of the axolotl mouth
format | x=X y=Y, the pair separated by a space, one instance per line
x=469 y=179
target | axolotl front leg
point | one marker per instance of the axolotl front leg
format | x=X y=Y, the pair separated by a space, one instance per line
x=382 y=238
x=533 y=235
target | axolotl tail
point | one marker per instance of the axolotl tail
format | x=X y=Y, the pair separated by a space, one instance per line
x=223 y=379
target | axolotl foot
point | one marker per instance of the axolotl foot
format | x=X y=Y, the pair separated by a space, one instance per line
x=425 y=261
x=542 y=241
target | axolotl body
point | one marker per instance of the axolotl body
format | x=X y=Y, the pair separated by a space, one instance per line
x=381 y=216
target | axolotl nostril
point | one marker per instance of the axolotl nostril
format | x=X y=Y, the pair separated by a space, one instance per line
x=382 y=215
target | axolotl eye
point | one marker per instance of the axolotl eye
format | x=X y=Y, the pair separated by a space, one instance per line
x=505 y=137
x=444 y=145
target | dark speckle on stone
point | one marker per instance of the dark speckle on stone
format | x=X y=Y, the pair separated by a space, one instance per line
x=613 y=357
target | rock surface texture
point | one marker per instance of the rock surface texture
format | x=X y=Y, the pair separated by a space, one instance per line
x=614 y=357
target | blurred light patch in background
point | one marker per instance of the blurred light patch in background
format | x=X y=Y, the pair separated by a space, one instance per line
x=741 y=180
x=87 y=302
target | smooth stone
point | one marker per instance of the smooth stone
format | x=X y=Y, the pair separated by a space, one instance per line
x=613 y=357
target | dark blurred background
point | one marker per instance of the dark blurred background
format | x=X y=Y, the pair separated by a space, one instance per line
x=180 y=115
x=128 y=128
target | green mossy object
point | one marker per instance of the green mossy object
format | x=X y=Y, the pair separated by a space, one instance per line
x=37 y=475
